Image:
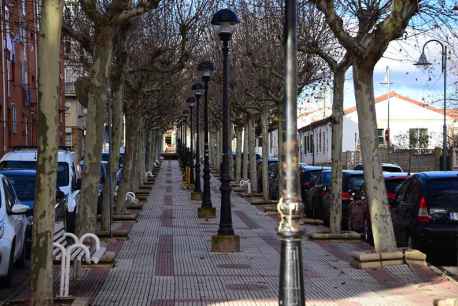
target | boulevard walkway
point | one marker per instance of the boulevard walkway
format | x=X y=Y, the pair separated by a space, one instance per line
x=167 y=261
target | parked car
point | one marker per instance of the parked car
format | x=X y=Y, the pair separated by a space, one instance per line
x=23 y=183
x=274 y=181
x=307 y=177
x=385 y=167
x=13 y=223
x=360 y=220
x=68 y=171
x=271 y=165
x=425 y=211
x=68 y=175
x=321 y=194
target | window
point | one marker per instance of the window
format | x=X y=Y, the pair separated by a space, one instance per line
x=324 y=142
x=306 y=144
x=319 y=142
x=13 y=118
x=418 y=138
x=68 y=137
x=380 y=137
x=311 y=143
x=10 y=73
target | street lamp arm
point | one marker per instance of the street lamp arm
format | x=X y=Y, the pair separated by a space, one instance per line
x=434 y=40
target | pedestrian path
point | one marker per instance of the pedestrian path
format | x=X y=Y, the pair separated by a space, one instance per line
x=167 y=261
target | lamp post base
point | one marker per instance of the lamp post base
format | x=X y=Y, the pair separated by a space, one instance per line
x=206 y=212
x=225 y=243
x=196 y=196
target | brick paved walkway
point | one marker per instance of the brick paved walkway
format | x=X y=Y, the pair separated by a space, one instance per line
x=167 y=261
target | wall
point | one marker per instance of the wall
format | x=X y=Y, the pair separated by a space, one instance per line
x=415 y=161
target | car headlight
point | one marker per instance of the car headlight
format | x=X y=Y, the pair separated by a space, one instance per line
x=2 y=229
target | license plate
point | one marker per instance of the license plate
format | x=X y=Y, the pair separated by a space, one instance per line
x=454 y=216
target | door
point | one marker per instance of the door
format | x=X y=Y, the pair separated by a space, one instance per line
x=17 y=221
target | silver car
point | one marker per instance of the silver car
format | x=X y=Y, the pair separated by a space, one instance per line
x=13 y=224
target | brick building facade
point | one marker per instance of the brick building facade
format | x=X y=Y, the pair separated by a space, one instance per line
x=19 y=77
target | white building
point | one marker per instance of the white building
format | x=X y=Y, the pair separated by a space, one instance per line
x=412 y=124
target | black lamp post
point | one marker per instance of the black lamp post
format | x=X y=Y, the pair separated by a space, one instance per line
x=224 y=22
x=197 y=90
x=291 y=282
x=423 y=61
x=206 y=210
x=191 y=101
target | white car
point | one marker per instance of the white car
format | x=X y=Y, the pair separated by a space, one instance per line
x=13 y=224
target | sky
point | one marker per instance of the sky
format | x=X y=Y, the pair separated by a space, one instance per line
x=407 y=79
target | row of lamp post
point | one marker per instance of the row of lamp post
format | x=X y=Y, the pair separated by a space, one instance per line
x=291 y=283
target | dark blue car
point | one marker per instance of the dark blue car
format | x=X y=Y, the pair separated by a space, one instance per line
x=23 y=182
x=425 y=211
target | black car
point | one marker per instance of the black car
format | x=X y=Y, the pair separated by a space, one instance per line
x=385 y=167
x=425 y=211
x=308 y=176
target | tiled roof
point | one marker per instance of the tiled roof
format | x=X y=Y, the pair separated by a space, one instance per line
x=452 y=113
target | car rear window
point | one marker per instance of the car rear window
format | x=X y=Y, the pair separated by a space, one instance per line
x=443 y=193
x=392 y=184
x=326 y=177
x=62 y=169
x=391 y=169
x=353 y=182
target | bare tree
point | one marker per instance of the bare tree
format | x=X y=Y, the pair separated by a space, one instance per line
x=48 y=111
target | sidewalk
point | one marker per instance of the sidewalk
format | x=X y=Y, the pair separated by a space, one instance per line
x=167 y=261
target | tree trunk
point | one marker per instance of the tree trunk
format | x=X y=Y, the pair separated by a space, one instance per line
x=245 y=153
x=45 y=194
x=265 y=154
x=100 y=71
x=382 y=226
x=337 y=131
x=126 y=185
x=238 y=155
x=116 y=131
x=252 y=153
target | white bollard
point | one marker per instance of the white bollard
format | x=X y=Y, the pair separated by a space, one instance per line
x=246 y=183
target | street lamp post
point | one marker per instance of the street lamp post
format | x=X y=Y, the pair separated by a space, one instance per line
x=206 y=210
x=388 y=83
x=291 y=281
x=423 y=61
x=191 y=101
x=224 y=22
x=197 y=90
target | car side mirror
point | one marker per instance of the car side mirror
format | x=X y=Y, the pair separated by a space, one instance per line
x=59 y=195
x=19 y=209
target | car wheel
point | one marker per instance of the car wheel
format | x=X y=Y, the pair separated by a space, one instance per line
x=367 y=232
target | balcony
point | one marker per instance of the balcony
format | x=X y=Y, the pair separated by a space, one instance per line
x=70 y=89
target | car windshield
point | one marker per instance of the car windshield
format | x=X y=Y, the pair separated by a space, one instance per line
x=443 y=193
x=24 y=186
x=62 y=169
x=392 y=185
